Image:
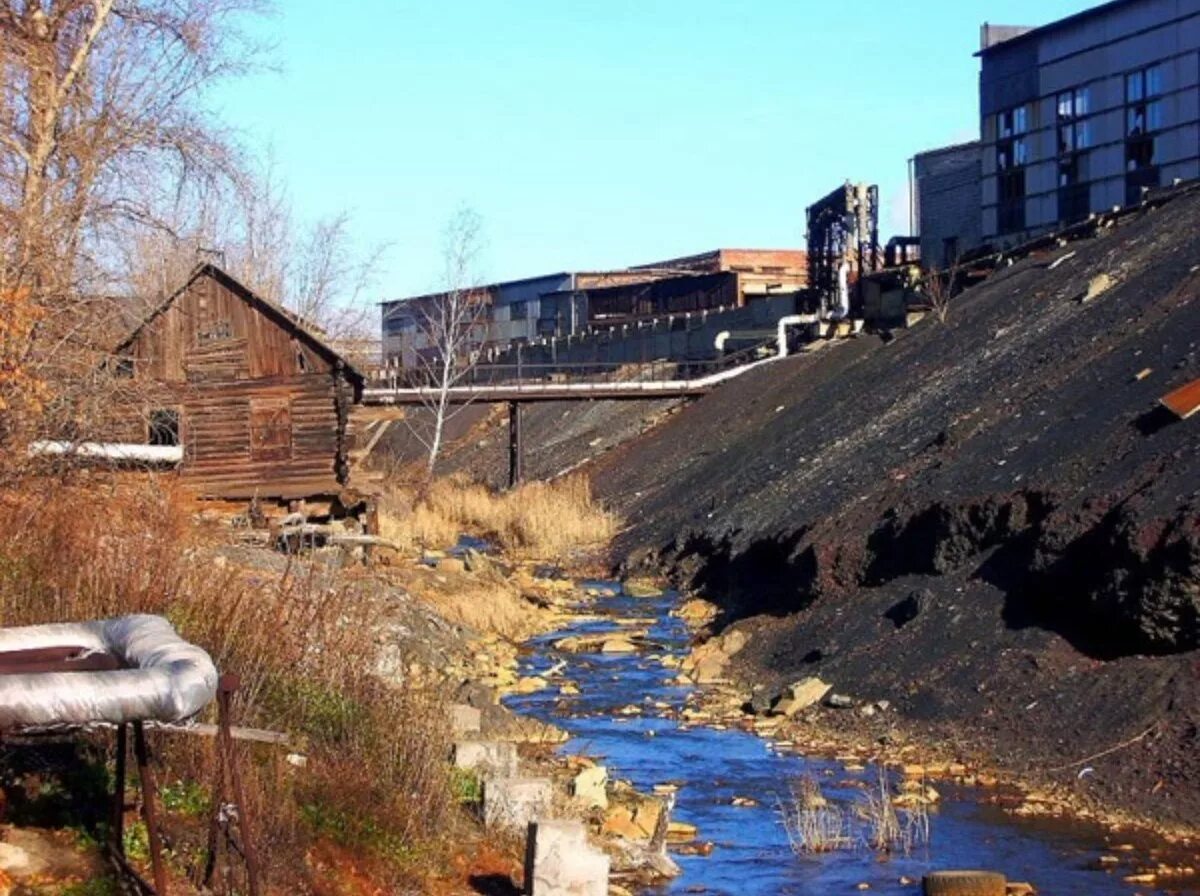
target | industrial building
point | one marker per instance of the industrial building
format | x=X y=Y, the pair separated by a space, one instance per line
x=570 y=303
x=1076 y=117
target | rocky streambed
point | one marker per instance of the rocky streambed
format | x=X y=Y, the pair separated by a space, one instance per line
x=612 y=679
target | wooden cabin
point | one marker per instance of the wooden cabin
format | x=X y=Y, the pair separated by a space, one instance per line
x=259 y=403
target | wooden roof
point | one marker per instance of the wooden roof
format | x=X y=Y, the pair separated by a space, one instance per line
x=281 y=316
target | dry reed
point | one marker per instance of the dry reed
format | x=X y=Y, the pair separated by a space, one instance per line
x=542 y=520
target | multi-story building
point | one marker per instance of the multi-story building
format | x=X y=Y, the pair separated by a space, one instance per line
x=1078 y=116
x=1085 y=113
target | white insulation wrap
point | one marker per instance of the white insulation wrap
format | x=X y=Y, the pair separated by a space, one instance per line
x=169 y=680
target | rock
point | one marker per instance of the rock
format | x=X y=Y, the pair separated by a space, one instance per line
x=618 y=645
x=709 y=671
x=641 y=588
x=758 y=704
x=560 y=862
x=530 y=684
x=512 y=803
x=839 y=701
x=1097 y=286
x=681 y=832
x=464 y=719
x=801 y=695
x=589 y=787
x=696 y=612
x=451 y=565
x=14 y=860
x=619 y=822
x=1019 y=888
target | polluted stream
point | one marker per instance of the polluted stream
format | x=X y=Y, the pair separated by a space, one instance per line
x=732 y=784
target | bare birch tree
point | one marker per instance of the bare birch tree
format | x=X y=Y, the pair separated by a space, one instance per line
x=450 y=327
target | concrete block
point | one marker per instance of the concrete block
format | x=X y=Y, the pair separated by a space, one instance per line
x=489 y=759
x=515 y=802
x=465 y=719
x=560 y=862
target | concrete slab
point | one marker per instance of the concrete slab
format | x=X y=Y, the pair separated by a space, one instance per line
x=488 y=759
x=515 y=802
x=560 y=862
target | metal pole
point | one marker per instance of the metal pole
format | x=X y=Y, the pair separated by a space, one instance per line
x=118 y=807
x=149 y=809
x=514 y=444
x=225 y=690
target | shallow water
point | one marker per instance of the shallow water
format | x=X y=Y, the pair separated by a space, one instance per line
x=752 y=856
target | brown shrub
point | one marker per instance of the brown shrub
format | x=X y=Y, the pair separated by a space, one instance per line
x=376 y=781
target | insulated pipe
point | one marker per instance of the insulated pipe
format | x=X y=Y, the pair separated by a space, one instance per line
x=150 y=454
x=843 y=293
x=791 y=320
x=169 y=680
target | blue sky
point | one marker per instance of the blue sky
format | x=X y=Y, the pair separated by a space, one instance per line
x=603 y=133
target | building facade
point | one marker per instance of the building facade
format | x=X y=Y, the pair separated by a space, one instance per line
x=1086 y=113
x=570 y=303
x=946 y=185
x=259 y=403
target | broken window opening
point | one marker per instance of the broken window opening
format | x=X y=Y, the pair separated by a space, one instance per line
x=163 y=427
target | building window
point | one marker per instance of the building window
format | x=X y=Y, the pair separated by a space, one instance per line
x=1074 y=132
x=1143 y=119
x=519 y=310
x=1012 y=155
x=164 y=427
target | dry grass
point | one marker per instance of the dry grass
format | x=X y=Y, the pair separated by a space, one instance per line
x=537 y=520
x=817 y=825
x=376 y=781
x=813 y=824
x=885 y=828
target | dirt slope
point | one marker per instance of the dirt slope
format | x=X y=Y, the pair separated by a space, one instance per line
x=988 y=522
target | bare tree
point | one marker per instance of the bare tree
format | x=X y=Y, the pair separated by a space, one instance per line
x=450 y=328
x=939 y=288
x=329 y=280
x=101 y=129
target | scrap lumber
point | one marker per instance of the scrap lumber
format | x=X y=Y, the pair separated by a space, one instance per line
x=1184 y=401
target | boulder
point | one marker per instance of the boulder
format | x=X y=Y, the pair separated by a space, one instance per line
x=590 y=787
x=801 y=695
x=530 y=684
x=641 y=588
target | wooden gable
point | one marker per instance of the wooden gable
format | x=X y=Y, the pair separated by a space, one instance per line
x=214 y=330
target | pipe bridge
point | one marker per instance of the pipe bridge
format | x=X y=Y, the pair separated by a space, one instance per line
x=519 y=384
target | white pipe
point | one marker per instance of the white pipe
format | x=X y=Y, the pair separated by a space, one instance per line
x=169 y=680
x=843 y=306
x=150 y=454
x=719 y=342
x=791 y=320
